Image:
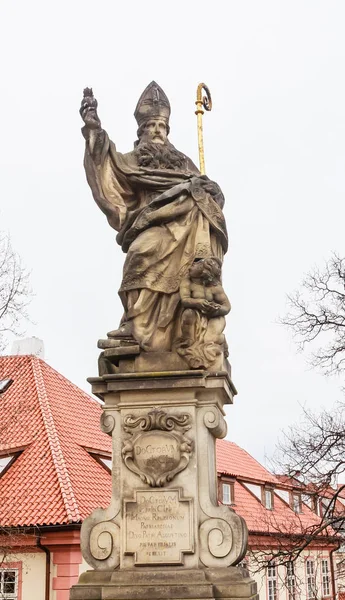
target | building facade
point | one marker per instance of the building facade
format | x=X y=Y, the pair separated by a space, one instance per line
x=279 y=513
x=55 y=469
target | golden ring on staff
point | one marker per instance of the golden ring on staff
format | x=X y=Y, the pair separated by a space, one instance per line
x=206 y=103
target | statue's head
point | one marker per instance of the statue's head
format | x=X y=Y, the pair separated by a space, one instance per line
x=208 y=270
x=152 y=115
x=153 y=149
x=153 y=130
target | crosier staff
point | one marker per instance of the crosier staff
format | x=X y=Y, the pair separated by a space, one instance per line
x=206 y=103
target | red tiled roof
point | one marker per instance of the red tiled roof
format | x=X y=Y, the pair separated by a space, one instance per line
x=236 y=462
x=282 y=519
x=54 y=480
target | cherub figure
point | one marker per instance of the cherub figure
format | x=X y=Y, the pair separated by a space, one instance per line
x=204 y=305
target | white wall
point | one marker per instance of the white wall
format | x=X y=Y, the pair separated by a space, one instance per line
x=33 y=573
x=300 y=575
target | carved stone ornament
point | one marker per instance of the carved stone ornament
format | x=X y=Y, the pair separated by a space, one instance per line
x=156 y=448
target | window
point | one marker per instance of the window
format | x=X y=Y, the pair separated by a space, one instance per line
x=291 y=581
x=226 y=493
x=307 y=499
x=102 y=459
x=325 y=577
x=311 y=587
x=269 y=499
x=5 y=384
x=272 y=581
x=107 y=462
x=296 y=503
x=9 y=584
x=6 y=461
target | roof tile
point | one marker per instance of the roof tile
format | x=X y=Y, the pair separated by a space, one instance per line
x=54 y=480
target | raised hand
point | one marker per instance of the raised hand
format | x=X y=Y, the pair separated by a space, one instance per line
x=88 y=110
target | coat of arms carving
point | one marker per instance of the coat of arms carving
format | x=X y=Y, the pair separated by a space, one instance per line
x=157 y=448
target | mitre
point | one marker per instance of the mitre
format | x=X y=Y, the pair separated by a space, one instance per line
x=153 y=103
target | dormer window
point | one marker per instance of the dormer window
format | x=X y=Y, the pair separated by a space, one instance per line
x=268 y=498
x=4 y=385
x=107 y=462
x=227 y=493
x=6 y=460
x=296 y=503
x=104 y=459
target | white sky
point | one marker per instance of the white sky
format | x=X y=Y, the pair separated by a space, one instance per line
x=275 y=142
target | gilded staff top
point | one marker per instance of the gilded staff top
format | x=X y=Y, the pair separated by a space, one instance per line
x=206 y=103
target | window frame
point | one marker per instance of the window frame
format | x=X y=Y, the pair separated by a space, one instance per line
x=310 y=585
x=291 y=581
x=270 y=492
x=98 y=455
x=14 y=455
x=230 y=485
x=325 y=576
x=5 y=384
x=17 y=567
x=272 y=581
x=297 y=508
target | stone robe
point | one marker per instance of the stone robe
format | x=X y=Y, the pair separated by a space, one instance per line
x=165 y=220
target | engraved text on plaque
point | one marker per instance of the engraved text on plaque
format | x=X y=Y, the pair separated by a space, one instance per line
x=158 y=527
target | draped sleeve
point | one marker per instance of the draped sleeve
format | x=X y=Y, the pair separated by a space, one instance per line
x=110 y=188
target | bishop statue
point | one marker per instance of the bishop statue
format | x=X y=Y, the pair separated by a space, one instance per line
x=171 y=226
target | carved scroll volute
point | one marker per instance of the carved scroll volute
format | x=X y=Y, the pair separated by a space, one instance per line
x=100 y=540
x=107 y=423
x=100 y=532
x=215 y=423
x=223 y=542
x=222 y=533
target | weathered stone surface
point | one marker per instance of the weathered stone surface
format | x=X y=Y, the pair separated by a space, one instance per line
x=164 y=377
x=157 y=583
x=158 y=527
x=157 y=448
x=171 y=226
x=141 y=412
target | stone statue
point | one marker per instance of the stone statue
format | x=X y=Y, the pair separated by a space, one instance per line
x=202 y=321
x=163 y=376
x=168 y=218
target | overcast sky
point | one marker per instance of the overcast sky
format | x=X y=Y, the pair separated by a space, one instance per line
x=275 y=143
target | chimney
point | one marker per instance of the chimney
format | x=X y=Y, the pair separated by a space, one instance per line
x=31 y=345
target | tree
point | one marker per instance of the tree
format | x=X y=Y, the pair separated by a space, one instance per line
x=15 y=293
x=311 y=454
x=317 y=314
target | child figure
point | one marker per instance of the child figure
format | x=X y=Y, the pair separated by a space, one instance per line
x=204 y=305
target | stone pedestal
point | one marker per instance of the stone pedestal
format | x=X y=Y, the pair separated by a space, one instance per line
x=164 y=534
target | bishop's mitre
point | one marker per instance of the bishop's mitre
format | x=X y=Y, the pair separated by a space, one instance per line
x=153 y=103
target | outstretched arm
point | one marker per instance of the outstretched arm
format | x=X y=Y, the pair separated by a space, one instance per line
x=108 y=191
x=92 y=130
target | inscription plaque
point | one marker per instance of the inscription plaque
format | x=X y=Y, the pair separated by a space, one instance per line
x=158 y=527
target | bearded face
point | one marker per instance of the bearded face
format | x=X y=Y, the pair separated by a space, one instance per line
x=154 y=151
x=160 y=156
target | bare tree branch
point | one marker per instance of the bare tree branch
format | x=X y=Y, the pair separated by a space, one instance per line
x=317 y=311
x=15 y=292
